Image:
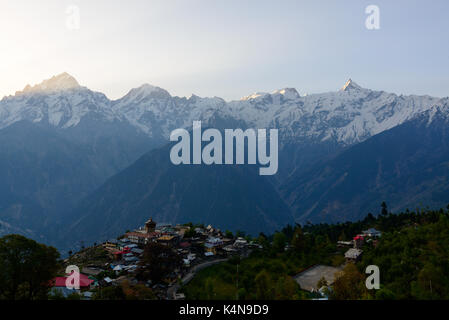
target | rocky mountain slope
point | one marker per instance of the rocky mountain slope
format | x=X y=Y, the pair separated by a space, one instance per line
x=406 y=166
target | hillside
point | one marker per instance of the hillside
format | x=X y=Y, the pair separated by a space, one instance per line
x=231 y=197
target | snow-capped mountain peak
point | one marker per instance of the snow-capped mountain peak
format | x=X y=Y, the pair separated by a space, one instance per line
x=59 y=101
x=60 y=82
x=146 y=91
x=288 y=93
x=347 y=116
x=350 y=85
x=254 y=96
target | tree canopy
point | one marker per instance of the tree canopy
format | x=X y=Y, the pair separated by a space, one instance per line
x=26 y=268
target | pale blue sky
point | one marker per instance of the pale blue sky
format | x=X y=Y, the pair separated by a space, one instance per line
x=227 y=48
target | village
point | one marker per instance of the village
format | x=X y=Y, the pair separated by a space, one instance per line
x=197 y=247
x=120 y=261
x=310 y=279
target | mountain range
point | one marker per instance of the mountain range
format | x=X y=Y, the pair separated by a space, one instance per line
x=72 y=159
x=406 y=166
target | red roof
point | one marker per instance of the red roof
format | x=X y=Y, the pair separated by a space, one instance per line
x=358 y=237
x=84 y=281
x=184 y=244
x=124 y=251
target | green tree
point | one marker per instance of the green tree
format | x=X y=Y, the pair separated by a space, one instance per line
x=279 y=241
x=137 y=292
x=286 y=288
x=242 y=293
x=264 y=286
x=338 y=260
x=430 y=283
x=298 y=240
x=384 y=210
x=239 y=233
x=349 y=284
x=190 y=233
x=384 y=294
x=141 y=292
x=158 y=262
x=26 y=268
x=322 y=283
x=228 y=234
x=263 y=240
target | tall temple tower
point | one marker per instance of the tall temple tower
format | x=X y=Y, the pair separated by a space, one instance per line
x=150 y=226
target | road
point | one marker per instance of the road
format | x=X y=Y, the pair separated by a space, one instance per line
x=189 y=276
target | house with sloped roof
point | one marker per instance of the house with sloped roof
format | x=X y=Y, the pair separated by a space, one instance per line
x=353 y=255
x=372 y=233
x=141 y=237
x=168 y=239
x=60 y=284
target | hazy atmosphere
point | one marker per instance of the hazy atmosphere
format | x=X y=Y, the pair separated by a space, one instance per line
x=228 y=49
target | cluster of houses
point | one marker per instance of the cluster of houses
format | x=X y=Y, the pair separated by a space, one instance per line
x=203 y=245
x=309 y=278
x=354 y=254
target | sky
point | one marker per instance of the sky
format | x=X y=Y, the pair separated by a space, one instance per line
x=227 y=48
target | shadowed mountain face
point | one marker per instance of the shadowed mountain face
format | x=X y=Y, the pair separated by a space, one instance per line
x=34 y=162
x=45 y=172
x=407 y=166
x=232 y=197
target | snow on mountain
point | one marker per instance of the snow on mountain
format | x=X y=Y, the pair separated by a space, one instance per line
x=63 y=81
x=437 y=112
x=60 y=101
x=347 y=116
x=350 y=85
x=254 y=96
x=157 y=113
x=288 y=93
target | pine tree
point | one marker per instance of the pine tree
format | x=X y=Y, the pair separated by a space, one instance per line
x=384 y=211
